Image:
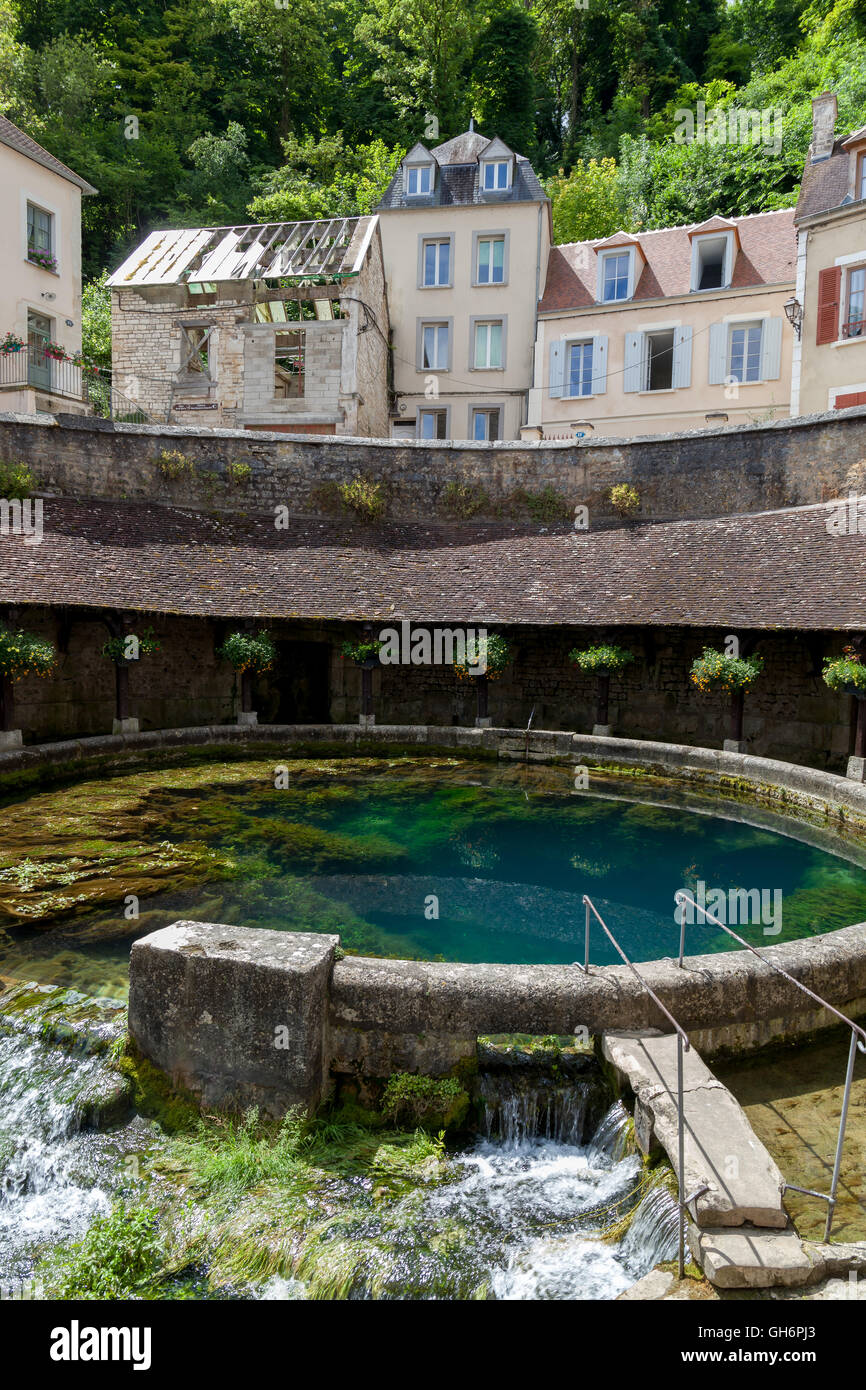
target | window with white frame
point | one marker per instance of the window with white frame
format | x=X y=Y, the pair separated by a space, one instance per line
x=436 y=262
x=495 y=175
x=434 y=346
x=659 y=361
x=615 y=276
x=40 y=231
x=854 y=317
x=710 y=269
x=432 y=424
x=485 y=423
x=578 y=370
x=419 y=180
x=488 y=345
x=744 y=351
x=490 y=262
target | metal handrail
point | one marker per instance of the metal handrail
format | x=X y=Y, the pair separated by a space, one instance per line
x=683 y=1045
x=858 y=1044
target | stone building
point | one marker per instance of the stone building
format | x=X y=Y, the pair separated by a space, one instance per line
x=829 y=370
x=281 y=327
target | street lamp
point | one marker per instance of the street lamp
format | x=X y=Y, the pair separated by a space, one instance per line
x=794 y=313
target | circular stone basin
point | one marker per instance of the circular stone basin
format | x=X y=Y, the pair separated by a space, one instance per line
x=428 y=857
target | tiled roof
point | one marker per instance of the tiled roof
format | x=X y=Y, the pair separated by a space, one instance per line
x=824 y=184
x=766 y=257
x=770 y=570
x=457 y=178
x=17 y=139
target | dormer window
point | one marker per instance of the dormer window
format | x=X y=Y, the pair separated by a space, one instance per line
x=615 y=276
x=419 y=180
x=495 y=175
x=712 y=261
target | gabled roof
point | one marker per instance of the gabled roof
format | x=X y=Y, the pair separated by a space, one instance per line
x=419 y=154
x=17 y=139
x=714 y=224
x=458 y=182
x=330 y=247
x=766 y=255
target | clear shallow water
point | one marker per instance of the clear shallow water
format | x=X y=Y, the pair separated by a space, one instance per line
x=421 y=858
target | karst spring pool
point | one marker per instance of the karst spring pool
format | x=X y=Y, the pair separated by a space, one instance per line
x=425 y=857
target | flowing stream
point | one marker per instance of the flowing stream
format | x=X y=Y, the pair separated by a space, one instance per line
x=522 y=1208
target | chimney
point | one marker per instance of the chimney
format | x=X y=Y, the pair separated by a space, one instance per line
x=824 y=110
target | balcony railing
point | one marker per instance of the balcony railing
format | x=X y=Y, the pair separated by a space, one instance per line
x=854 y=328
x=32 y=367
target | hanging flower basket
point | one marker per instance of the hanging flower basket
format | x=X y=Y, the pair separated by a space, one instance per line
x=116 y=647
x=11 y=343
x=364 y=654
x=846 y=673
x=601 y=660
x=717 y=671
x=249 y=651
x=492 y=651
x=23 y=654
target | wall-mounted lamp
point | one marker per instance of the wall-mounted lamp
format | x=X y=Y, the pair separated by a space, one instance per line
x=794 y=313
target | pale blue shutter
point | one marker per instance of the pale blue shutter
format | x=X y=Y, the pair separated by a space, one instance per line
x=632 y=379
x=682 y=370
x=599 y=364
x=718 y=354
x=771 y=349
x=557 y=367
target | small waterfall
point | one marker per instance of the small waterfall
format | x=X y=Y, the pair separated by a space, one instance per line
x=652 y=1235
x=611 y=1139
x=525 y=1106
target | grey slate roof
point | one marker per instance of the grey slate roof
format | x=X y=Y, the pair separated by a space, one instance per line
x=19 y=140
x=457 y=178
x=824 y=184
x=767 y=570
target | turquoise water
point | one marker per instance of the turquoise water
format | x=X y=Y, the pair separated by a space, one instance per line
x=421 y=859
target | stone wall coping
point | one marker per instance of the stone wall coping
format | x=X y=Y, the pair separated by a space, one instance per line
x=96 y=424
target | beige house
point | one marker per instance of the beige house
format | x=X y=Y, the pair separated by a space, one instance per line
x=40 y=276
x=678 y=329
x=830 y=359
x=466 y=232
x=281 y=327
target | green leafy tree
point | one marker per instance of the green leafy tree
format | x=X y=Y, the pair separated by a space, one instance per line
x=324 y=178
x=503 y=83
x=96 y=321
x=586 y=203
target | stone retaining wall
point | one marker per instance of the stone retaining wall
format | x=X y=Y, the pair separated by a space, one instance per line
x=707 y=473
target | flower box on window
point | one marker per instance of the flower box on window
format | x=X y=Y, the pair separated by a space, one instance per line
x=41 y=258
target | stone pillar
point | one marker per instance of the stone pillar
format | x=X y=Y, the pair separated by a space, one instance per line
x=236 y=1015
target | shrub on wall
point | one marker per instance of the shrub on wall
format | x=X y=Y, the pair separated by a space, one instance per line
x=460 y=501
x=172 y=464
x=624 y=499
x=364 y=498
x=601 y=660
x=248 y=651
x=16 y=481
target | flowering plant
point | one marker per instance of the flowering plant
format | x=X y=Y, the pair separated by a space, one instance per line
x=117 y=648
x=717 y=671
x=41 y=258
x=491 y=654
x=602 y=660
x=249 y=651
x=22 y=654
x=845 y=672
x=367 y=650
x=11 y=343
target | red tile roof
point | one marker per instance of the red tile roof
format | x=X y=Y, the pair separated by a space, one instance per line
x=766 y=257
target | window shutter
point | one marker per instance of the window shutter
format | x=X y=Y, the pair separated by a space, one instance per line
x=682 y=367
x=557 y=363
x=829 y=295
x=599 y=364
x=718 y=354
x=634 y=357
x=771 y=349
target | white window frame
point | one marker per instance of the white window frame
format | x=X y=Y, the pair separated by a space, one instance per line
x=32 y=200
x=433 y=410
x=448 y=324
x=438 y=239
x=486 y=408
x=477 y=238
x=474 y=322
x=727 y=265
x=496 y=165
x=587 y=340
x=745 y=324
x=845 y=298
x=603 y=258
x=418 y=170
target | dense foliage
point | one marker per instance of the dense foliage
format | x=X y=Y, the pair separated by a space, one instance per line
x=216 y=111
x=718 y=671
x=23 y=654
x=602 y=660
x=485 y=656
x=845 y=672
x=248 y=651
